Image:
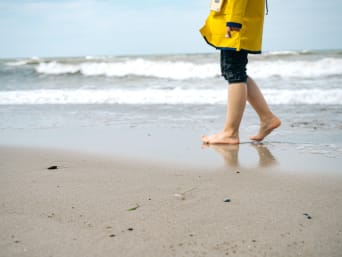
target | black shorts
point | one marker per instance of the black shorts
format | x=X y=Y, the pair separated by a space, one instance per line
x=233 y=66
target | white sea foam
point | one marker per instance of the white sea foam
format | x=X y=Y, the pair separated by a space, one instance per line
x=22 y=62
x=281 y=53
x=296 y=69
x=18 y=63
x=191 y=70
x=56 y=68
x=138 y=67
x=166 y=96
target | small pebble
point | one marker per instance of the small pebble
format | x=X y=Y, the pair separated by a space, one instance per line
x=307 y=216
x=130 y=229
x=54 y=167
x=227 y=200
x=179 y=196
x=112 y=235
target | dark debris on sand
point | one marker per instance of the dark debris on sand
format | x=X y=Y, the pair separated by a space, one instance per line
x=53 y=167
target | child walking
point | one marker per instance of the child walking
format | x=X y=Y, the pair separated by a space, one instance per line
x=235 y=27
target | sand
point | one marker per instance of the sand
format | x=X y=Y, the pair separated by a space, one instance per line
x=95 y=205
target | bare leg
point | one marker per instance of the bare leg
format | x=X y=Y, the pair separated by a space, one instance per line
x=237 y=97
x=268 y=121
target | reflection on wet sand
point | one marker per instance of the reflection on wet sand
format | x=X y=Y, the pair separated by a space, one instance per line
x=230 y=154
x=266 y=158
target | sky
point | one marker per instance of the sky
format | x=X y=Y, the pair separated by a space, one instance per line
x=50 y=28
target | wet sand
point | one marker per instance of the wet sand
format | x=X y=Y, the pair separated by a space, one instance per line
x=100 y=205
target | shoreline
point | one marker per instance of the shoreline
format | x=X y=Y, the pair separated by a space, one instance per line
x=97 y=205
x=182 y=147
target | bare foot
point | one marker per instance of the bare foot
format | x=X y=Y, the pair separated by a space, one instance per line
x=266 y=128
x=221 y=138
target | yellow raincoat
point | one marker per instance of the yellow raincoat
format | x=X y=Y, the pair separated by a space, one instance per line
x=249 y=14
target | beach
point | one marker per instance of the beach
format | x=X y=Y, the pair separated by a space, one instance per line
x=102 y=156
x=93 y=205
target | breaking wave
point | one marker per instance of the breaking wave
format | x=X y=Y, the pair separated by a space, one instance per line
x=192 y=70
x=139 y=67
x=163 y=96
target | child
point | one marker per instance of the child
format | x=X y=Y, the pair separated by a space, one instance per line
x=235 y=27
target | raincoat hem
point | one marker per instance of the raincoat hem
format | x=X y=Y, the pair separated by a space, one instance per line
x=230 y=48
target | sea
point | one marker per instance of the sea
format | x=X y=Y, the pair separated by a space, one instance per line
x=178 y=91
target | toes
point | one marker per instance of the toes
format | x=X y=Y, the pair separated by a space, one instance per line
x=205 y=145
x=256 y=138
x=205 y=139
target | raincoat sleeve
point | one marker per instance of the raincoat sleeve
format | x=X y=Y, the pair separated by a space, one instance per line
x=236 y=12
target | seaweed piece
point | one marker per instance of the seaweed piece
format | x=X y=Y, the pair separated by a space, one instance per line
x=134 y=208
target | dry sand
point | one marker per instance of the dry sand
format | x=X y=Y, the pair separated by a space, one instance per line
x=98 y=206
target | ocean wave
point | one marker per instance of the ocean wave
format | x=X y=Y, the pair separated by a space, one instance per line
x=297 y=69
x=17 y=63
x=22 y=62
x=138 y=67
x=163 y=96
x=191 y=70
x=285 y=53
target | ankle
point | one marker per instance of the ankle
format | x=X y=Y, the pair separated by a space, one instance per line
x=229 y=132
x=267 y=117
